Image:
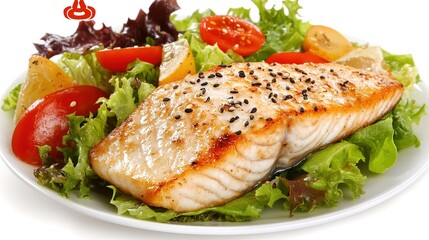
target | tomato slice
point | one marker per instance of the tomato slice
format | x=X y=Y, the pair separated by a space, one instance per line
x=294 y=57
x=117 y=60
x=230 y=32
x=45 y=122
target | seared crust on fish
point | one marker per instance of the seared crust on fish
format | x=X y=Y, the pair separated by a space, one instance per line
x=213 y=136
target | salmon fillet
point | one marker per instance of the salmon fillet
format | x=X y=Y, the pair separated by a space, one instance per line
x=213 y=136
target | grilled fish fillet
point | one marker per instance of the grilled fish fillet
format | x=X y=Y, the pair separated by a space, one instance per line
x=213 y=136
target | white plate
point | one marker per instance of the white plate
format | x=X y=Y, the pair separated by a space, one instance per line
x=410 y=165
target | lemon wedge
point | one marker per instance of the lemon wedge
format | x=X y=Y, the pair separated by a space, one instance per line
x=177 y=62
x=43 y=77
x=367 y=58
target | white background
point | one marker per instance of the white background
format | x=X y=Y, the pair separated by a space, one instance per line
x=398 y=26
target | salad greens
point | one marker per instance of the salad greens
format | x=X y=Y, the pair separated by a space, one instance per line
x=320 y=181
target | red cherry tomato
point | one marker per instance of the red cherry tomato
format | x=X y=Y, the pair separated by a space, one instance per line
x=45 y=122
x=117 y=60
x=294 y=57
x=230 y=32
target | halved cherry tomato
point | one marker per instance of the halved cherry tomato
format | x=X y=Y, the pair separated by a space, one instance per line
x=230 y=32
x=45 y=122
x=117 y=60
x=294 y=57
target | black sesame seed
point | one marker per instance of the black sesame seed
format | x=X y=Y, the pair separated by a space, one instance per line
x=270 y=95
x=166 y=99
x=216 y=85
x=287 y=97
x=177 y=116
x=301 y=109
x=316 y=108
x=268 y=119
x=287 y=88
x=253 y=110
x=248 y=64
x=211 y=75
x=207 y=99
x=241 y=74
x=246 y=123
x=223 y=65
x=272 y=74
x=246 y=101
x=292 y=80
x=322 y=77
x=188 y=110
x=273 y=80
x=308 y=80
x=233 y=91
x=231 y=120
x=273 y=100
x=218 y=74
x=256 y=84
x=251 y=117
x=192 y=82
x=204 y=83
x=175 y=86
x=238 y=132
x=252 y=72
x=203 y=91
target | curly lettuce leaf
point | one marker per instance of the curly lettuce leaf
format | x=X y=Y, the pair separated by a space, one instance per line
x=405 y=115
x=85 y=70
x=378 y=145
x=402 y=68
x=283 y=32
x=77 y=173
x=9 y=103
x=207 y=56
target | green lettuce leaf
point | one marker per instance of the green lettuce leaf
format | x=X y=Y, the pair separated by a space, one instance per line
x=405 y=115
x=377 y=144
x=9 y=103
x=333 y=167
x=207 y=56
x=85 y=69
x=403 y=68
x=76 y=174
x=282 y=32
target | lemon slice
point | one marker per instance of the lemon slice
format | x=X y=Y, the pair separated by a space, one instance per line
x=43 y=77
x=367 y=58
x=177 y=62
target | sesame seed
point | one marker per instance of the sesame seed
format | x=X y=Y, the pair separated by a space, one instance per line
x=211 y=75
x=252 y=72
x=231 y=120
x=251 y=117
x=246 y=123
x=272 y=74
x=166 y=99
x=273 y=100
x=177 y=116
x=268 y=119
x=175 y=86
x=287 y=88
x=223 y=65
x=238 y=132
x=287 y=97
x=241 y=74
x=316 y=108
x=233 y=91
x=207 y=99
x=216 y=85
x=301 y=109
x=256 y=84
x=204 y=83
x=253 y=110
x=188 y=110
x=246 y=101
x=218 y=74
x=73 y=104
